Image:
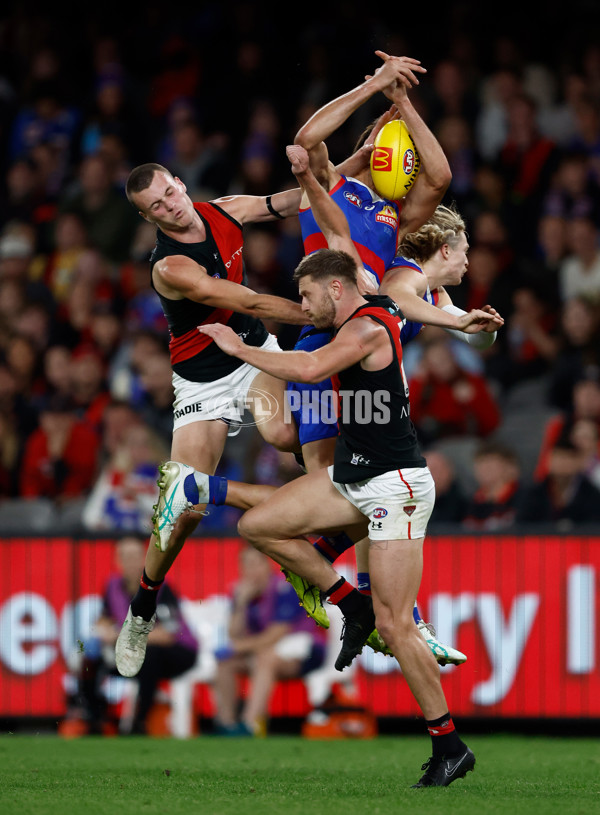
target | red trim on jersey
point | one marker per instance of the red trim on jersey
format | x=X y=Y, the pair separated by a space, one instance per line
x=435 y=296
x=405 y=482
x=192 y=342
x=331 y=191
x=316 y=241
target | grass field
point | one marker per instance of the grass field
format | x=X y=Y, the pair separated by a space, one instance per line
x=288 y=775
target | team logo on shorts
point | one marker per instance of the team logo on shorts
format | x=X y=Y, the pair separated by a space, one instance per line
x=409 y=510
x=380 y=512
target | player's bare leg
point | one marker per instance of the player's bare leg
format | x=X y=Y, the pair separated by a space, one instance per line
x=277 y=528
x=199 y=446
x=396 y=569
x=268 y=403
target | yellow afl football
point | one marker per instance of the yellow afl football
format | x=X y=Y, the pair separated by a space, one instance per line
x=395 y=162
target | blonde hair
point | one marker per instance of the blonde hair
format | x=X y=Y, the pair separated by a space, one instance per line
x=445 y=226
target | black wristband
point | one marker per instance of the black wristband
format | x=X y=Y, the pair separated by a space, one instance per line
x=272 y=209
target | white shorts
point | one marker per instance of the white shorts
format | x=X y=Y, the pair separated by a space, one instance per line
x=224 y=398
x=398 y=503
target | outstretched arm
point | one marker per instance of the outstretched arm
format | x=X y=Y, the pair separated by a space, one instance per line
x=397 y=285
x=259 y=208
x=327 y=119
x=359 y=338
x=330 y=218
x=434 y=176
x=177 y=277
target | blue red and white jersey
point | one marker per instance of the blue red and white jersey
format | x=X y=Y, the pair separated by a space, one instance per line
x=410 y=329
x=373 y=224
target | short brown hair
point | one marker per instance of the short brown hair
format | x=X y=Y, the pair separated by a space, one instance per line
x=141 y=177
x=327 y=263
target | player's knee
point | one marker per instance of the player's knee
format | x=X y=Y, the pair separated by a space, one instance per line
x=393 y=627
x=282 y=435
x=251 y=528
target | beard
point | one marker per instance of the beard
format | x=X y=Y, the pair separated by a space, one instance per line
x=325 y=316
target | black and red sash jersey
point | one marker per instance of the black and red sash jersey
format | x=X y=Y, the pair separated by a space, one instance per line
x=195 y=356
x=376 y=433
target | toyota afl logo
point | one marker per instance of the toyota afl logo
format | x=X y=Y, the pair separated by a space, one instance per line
x=408 y=162
x=379 y=512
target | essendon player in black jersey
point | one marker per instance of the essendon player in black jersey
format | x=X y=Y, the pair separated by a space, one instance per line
x=197 y=271
x=378 y=485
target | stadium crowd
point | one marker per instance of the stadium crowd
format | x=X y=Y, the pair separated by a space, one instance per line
x=512 y=434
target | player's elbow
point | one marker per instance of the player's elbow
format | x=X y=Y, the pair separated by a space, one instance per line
x=443 y=177
x=311 y=372
x=305 y=138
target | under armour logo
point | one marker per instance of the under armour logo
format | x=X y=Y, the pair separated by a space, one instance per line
x=377 y=525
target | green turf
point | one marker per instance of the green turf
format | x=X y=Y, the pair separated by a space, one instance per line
x=289 y=775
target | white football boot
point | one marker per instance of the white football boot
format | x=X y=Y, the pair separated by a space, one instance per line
x=130 y=649
x=178 y=487
x=445 y=654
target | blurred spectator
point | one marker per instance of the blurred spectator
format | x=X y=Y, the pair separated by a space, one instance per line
x=57 y=371
x=455 y=136
x=491 y=123
x=497 y=473
x=112 y=114
x=566 y=496
x=10 y=456
x=449 y=94
x=541 y=269
x=60 y=457
x=450 y=499
x=587 y=131
x=270 y=638
x=579 y=273
x=17 y=254
x=573 y=193
x=118 y=418
x=124 y=376
x=123 y=495
x=200 y=161
x=530 y=338
x=527 y=159
x=156 y=405
x=585 y=435
x=579 y=351
x=108 y=218
x=446 y=400
x=172 y=648
x=484 y=282
x=70 y=243
x=46 y=119
x=585 y=407
x=89 y=392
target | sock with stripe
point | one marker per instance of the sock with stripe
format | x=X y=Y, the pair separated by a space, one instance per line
x=363 y=581
x=217 y=488
x=145 y=600
x=332 y=547
x=416 y=615
x=343 y=595
x=444 y=738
